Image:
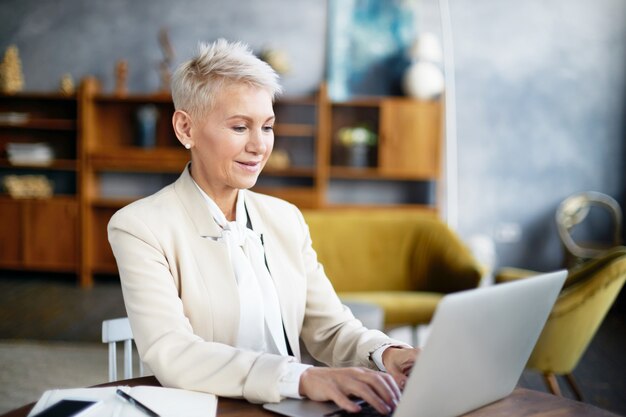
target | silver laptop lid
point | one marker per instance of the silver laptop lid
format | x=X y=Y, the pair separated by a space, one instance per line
x=479 y=343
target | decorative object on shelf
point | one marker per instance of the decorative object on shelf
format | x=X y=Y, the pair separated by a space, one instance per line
x=168 y=56
x=30 y=154
x=426 y=47
x=121 y=74
x=67 y=87
x=11 y=77
x=147 y=117
x=423 y=79
x=277 y=59
x=13 y=117
x=367 y=41
x=358 y=142
x=279 y=159
x=28 y=186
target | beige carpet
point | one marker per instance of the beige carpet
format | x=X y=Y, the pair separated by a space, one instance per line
x=28 y=368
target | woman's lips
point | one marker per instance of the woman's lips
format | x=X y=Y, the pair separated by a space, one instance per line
x=250 y=166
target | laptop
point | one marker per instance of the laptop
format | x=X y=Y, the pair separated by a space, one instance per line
x=476 y=351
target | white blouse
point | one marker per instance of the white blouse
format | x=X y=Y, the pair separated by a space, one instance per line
x=260 y=323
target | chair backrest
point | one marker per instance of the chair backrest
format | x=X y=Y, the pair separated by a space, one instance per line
x=390 y=250
x=118 y=330
x=572 y=212
x=578 y=312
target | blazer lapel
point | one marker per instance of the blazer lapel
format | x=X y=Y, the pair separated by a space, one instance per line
x=211 y=256
x=195 y=205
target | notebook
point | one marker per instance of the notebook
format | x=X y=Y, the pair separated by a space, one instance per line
x=167 y=402
x=478 y=346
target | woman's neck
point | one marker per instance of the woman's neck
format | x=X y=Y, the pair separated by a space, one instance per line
x=226 y=199
x=229 y=210
x=227 y=203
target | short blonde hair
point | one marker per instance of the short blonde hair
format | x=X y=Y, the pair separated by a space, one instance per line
x=196 y=82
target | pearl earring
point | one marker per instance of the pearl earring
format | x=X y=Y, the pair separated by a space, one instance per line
x=187 y=146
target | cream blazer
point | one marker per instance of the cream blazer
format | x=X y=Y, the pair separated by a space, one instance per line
x=182 y=300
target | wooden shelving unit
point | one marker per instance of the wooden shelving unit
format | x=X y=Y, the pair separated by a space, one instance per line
x=41 y=234
x=95 y=140
x=407 y=154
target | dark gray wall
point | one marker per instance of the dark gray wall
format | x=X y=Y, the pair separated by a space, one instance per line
x=88 y=37
x=541 y=86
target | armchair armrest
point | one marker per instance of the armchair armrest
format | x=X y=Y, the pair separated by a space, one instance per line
x=440 y=262
x=576 y=274
x=508 y=274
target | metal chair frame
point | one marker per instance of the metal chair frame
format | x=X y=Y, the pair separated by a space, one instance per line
x=573 y=211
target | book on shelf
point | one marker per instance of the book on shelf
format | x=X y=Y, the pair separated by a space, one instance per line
x=166 y=402
x=30 y=153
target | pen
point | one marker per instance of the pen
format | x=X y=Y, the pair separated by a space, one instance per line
x=136 y=403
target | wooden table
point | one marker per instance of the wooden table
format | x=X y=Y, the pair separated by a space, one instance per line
x=522 y=402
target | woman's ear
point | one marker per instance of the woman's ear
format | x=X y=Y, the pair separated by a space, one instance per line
x=182 y=127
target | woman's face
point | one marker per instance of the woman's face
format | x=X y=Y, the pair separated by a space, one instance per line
x=233 y=142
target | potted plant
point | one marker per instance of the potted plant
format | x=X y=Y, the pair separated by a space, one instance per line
x=358 y=141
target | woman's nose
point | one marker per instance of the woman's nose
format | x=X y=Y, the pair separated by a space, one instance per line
x=257 y=143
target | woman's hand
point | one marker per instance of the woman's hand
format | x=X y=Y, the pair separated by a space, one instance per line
x=399 y=361
x=337 y=384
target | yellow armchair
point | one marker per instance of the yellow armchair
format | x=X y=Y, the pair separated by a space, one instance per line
x=587 y=295
x=400 y=260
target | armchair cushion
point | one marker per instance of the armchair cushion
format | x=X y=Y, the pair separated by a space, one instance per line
x=400 y=307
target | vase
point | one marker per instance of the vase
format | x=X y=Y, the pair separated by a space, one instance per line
x=358 y=155
x=423 y=80
x=146 y=126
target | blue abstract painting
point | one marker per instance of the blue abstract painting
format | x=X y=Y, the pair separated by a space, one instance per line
x=367 y=45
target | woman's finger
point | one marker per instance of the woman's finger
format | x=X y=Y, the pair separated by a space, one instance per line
x=376 y=388
x=368 y=394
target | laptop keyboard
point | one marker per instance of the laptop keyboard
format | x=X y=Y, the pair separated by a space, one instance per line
x=366 y=411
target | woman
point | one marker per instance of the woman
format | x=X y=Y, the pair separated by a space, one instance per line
x=221 y=283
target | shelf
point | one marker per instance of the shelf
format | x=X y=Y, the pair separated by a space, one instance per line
x=41 y=124
x=291 y=172
x=376 y=101
x=135 y=159
x=359 y=102
x=34 y=266
x=295 y=130
x=55 y=197
x=54 y=96
x=112 y=203
x=350 y=173
x=55 y=165
x=303 y=197
x=134 y=98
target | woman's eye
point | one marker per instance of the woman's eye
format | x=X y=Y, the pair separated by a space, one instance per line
x=239 y=129
x=268 y=128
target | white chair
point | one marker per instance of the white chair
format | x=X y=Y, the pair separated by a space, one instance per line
x=118 y=330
